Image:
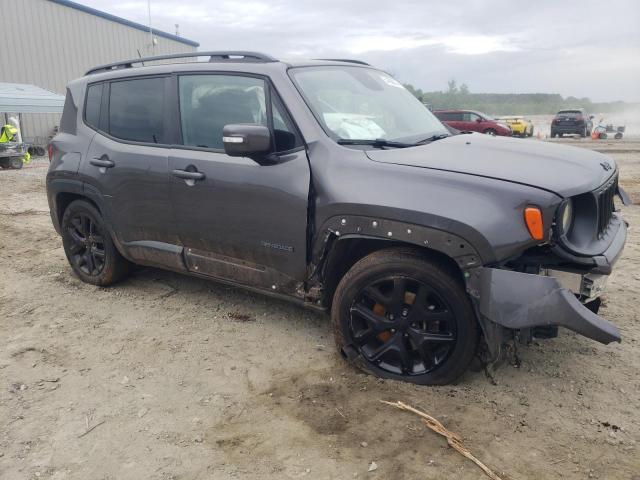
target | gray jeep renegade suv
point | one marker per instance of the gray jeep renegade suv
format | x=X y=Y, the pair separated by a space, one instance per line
x=327 y=183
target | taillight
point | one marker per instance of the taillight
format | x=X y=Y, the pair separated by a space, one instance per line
x=50 y=151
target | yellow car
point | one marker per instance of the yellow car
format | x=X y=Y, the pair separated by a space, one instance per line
x=519 y=125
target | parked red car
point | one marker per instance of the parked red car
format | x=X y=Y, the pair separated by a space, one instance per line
x=471 y=120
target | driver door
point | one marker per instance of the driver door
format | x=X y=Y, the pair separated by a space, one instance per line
x=239 y=219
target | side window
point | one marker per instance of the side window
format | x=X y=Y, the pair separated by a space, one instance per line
x=285 y=137
x=136 y=109
x=456 y=117
x=472 y=117
x=209 y=102
x=92 y=106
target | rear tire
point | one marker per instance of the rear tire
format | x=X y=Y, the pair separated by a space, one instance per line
x=88 y=246
x=398 y=315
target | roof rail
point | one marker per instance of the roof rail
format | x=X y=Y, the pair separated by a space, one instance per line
x=235 y=56
x=348 y=60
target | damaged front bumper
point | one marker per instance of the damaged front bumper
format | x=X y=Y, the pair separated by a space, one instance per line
x=520 y=301
x=510 y=301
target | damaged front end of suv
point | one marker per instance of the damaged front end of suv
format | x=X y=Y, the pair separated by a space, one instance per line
x=557 y=283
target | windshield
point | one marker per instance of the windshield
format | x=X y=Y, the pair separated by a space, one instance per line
x=364 y=104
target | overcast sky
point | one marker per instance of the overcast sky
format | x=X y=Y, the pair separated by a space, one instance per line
x=584 y=48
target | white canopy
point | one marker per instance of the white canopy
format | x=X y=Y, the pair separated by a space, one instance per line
x=24 y=98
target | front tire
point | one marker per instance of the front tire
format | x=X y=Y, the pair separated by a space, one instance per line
x=398 y=315
x=89 y=247
x=490 y=131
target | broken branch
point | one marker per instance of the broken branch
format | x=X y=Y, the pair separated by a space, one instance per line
x=453 y=440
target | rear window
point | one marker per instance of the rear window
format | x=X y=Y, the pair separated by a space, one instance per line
x=569 y=113
x=92 y=106
x=136 y=109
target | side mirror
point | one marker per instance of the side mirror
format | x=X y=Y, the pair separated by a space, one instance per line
x=246 y=140
x=479 y=119
x=591 y=117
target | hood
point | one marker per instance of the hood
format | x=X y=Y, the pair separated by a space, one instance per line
x=560 y=169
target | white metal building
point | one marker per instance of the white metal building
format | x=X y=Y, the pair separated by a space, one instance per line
x=47 y=43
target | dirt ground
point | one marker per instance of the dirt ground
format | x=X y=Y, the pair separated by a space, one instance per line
x=170 y=377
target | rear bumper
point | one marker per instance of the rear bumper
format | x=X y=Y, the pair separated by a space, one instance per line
x=518 y=301
x=567 y=128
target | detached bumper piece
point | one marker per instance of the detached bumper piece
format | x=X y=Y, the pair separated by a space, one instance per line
x=519 y=301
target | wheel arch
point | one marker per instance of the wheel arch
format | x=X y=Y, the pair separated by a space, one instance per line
x=64 y=199
x=353 y=238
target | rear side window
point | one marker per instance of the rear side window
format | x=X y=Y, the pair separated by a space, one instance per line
x=136 y=109
x=69 y=114
x=92 y=106
x=449 y=116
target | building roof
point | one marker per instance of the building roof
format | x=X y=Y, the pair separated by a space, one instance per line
x=23 y=98
x=124 y=21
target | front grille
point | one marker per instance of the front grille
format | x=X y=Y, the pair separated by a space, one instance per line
x=606 y=207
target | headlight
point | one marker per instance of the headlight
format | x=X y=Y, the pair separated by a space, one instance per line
x=565 y=217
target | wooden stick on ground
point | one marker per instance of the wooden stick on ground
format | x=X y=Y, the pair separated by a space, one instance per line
x=453 y=440
x=91 y=429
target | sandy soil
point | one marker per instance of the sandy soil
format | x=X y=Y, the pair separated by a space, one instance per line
x=179 y=378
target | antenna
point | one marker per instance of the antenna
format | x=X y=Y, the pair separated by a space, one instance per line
x=151 y=40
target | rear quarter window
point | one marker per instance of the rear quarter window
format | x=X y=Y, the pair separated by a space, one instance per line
x=136 y=110
x=92 y=105
x=69 y=115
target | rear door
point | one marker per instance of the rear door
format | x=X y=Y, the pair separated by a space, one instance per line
x=127 y=161
x=244 y=220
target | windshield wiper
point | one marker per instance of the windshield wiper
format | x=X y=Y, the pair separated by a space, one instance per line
x=378 y=143
x=433 y=138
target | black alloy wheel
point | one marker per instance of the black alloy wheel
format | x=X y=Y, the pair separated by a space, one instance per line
x=89 y=247
x=86 y=251
x=402 y=325
x=399 y=313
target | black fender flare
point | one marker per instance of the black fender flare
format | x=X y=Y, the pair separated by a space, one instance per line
x=356 y=226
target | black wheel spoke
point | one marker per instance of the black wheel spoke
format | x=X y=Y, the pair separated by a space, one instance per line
x=76 y=248
x=375 y=321
x=381 y=351
x=377 y=296
x=404 y=351
x=88 y=258
x=77 y=223
x=76 y=236
x=399 y=289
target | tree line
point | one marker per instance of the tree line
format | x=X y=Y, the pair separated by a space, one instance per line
x=459 y=97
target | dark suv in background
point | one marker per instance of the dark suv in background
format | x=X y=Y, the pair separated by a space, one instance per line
x=572 y=122
x=473 y=121
x=328 y=184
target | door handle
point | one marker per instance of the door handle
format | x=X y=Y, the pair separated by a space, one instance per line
x=186 y=175
x=103 y=162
